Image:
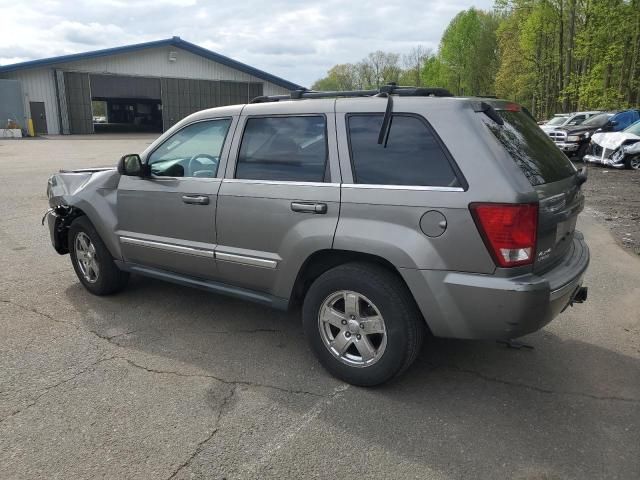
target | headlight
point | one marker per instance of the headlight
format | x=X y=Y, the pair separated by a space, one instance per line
x=574 y=138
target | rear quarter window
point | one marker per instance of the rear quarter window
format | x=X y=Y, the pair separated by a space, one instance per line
x=532 y=150
x=413 y=154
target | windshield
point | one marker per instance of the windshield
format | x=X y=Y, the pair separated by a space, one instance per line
x=633 y=128
x=599 y=120
x=557 y=120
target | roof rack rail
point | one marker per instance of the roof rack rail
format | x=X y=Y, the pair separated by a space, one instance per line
x=389 y=89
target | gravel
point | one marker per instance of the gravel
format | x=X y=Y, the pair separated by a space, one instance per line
x=613 y=196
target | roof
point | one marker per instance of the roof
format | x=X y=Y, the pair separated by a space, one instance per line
x=173 y=41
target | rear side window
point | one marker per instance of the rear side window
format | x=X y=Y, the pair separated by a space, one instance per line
x=532 y=150
x=413 y=155
x=284 y=148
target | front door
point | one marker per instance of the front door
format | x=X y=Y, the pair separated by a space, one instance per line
x=280 y=199
x=39 y=117
x=168 y=221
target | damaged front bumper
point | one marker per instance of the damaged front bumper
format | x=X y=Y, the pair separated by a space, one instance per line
x=58 y=220
x=616 y=160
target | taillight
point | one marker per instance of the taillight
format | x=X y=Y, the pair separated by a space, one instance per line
x=509 y=231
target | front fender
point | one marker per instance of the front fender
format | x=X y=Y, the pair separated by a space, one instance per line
x=94 y=194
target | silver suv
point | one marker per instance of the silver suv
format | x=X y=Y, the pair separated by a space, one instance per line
x=387 y=214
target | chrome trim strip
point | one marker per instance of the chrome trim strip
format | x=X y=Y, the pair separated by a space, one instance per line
x=168 y=247
x=253 y=261
x=280 y=182
x=403 y=187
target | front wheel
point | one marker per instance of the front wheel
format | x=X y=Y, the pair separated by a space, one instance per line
x=632 y=163
x=362 y=323
x=92 y=261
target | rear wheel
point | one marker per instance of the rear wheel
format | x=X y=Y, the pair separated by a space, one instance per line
x=92 y=261
x=362 y=323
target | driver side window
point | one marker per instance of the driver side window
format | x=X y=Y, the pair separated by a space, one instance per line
x=193 y=151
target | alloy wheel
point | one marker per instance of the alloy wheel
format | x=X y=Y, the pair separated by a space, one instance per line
x=352 y=328
x=86 y=257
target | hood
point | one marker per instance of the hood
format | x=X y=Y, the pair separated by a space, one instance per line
x=578 y=129
x=612 y=140
x=63 y=186
x=87 y=170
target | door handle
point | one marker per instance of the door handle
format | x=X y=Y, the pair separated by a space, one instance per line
x=196 y=199
x=309 y=207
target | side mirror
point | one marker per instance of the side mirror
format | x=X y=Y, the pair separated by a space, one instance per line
x=131 y=165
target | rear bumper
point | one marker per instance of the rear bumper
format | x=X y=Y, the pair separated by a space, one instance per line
x=476 y=306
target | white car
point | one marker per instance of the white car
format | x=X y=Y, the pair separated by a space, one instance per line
x=616 y=149
x=566 y=119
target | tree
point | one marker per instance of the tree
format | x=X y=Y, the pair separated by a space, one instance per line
x=414 y=62
x=340 y=77
x=468 y=51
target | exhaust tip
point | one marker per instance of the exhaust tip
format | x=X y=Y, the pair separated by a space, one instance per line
x=580 y=295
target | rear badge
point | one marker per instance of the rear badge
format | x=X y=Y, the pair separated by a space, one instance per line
x=543 y=255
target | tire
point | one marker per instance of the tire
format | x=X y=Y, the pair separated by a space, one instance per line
x=103 y=277
x=632 y=163
x=582 y=151
x=376 y=291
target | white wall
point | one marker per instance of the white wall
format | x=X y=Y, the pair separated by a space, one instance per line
x=38 y=84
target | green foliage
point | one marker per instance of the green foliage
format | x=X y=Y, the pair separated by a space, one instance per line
x=376 y=69
x=549 y=55
x=564 y=55
x=468 y=53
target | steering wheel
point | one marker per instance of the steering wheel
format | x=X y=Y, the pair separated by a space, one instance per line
x=191 y=164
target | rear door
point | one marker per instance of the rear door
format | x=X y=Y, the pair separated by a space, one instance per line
x=167 y=221
x=551 y=174
x=280 y=199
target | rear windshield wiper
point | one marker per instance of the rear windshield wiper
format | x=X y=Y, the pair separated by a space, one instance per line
x=383 y=136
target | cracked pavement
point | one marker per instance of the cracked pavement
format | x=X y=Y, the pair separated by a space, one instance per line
x=166 y=382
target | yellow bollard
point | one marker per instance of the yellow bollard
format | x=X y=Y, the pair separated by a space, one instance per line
x=30 y=130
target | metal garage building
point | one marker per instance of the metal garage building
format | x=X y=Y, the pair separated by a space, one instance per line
x=143 y=87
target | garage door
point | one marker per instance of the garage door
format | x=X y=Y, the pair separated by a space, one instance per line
x=182 y=97
x=78 y=96
x=116 y=86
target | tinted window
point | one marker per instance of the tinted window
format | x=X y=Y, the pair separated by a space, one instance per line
x=193 y=151
x=413 y=155
x=536 y=155
x=283 y=148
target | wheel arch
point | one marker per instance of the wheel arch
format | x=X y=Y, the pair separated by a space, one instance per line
x=63 y=218
x=321 y=261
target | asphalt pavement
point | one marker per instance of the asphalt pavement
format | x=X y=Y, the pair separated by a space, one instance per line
x=162 y=381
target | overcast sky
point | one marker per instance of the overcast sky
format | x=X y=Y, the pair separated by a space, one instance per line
x=295 y=40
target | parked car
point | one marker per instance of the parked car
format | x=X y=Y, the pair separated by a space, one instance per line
x=575 y=140
x=567 y=119
x=366 y=207
x=616 y=149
